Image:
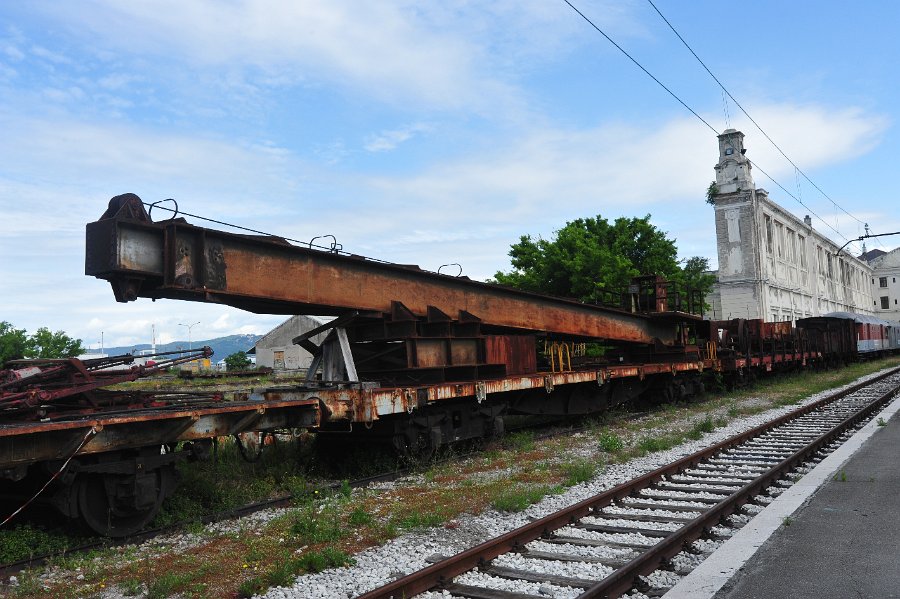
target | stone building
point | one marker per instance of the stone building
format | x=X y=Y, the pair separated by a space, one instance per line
x=886 y=284
x=276 y=349
x=773 y=265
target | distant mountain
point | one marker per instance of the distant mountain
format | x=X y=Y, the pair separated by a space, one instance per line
x=221 y=346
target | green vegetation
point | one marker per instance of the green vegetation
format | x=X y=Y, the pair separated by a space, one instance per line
x=286 y=569
x=519 y=497
x=881 y=421
x=711 y=192
x=520 y=441
x=591 y=257
x=314 y=525
x=15 y=344
x=611 y=443
x=578 y=471
x=25 y=541
x=237 y=361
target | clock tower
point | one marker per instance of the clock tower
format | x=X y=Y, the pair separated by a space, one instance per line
x=733 y=169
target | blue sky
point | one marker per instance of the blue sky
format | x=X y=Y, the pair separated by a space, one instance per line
x=423 y=133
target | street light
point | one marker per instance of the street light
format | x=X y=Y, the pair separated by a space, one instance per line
x=189 y=327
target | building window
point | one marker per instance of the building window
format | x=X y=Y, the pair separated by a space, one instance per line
x=882 y=282
x=779 y=238
x=769 y=234
x=885 y=302
x=802 y=240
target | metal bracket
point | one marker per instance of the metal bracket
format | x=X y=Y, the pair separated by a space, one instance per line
x=548 y=383
x=480 y=391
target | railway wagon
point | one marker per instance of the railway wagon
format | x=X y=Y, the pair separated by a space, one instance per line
x=851 y=336
x=417 y=358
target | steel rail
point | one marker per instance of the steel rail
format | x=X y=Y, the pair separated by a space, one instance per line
x=441 y=574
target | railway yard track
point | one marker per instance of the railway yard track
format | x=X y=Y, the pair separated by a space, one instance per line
x=641 y=536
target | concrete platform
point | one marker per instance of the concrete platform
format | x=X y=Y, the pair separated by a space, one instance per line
x=836 y=533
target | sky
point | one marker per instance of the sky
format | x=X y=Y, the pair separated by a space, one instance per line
x=419 y=133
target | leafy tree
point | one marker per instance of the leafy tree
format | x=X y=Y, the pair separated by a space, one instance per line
x=711 y=192
x=695 y=276
x=237 y=361
x=13 y=342
x=46 y=344
x=589 y=256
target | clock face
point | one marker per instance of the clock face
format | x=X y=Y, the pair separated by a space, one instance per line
x=729 y=151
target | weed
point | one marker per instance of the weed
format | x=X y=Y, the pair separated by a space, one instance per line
x=252 y=586
x=651 y=444
x=25 y=541
x=520 y=441
x=165 y=585
x=700 y=427
x=578 y=471
x=882 y=421
x=131 y=587
x=313 y=526
x=733 y=411
x=345 y=489
x=787 y=521
x=517 y=499
x=417 y=519
x=611 y=443
x=841 y=477
x=359 y=517
x=329 y=557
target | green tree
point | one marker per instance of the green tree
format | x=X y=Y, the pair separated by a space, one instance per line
x=695 y=276
x=589 y=256
x=46 y=344
x=237 y=361
x=13 y=342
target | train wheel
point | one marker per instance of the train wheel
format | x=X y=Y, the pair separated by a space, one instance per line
x=116 y=505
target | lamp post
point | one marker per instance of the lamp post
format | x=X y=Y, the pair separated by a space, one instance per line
x=189 y=327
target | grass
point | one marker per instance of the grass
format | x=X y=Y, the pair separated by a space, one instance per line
x=578 y=471
x=520 y=441
x=520 y=497
x=312 y=525
x=881 y=421
x=610 y=442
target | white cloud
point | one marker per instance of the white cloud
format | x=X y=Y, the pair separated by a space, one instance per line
x=445 y=55
x=388 y=140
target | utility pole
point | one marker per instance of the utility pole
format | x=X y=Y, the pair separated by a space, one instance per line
x=189 y=327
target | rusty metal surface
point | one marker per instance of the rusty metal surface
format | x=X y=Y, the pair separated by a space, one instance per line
x=267 y=275
x=31 y=442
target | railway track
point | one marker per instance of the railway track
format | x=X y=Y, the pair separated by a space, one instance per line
x=638 y=537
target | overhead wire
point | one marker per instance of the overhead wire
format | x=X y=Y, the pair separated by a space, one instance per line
x=696 y=114
x=797 y=169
